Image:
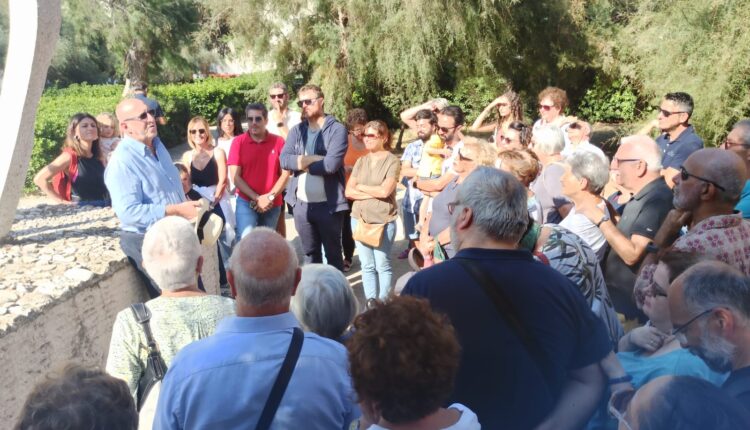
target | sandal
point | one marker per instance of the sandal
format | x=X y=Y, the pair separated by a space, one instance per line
x=347 y=265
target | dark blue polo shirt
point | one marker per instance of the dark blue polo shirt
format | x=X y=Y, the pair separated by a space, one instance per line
x=151 y=104
x=497 y=378
x=677 y=151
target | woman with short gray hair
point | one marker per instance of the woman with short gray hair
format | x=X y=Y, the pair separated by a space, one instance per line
x=548 y=143
x=583 y=180
x=324 y=303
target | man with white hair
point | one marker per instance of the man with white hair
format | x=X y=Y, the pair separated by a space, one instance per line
x=181 y=315
x=226 y=380
x=548 y=144
x=530 y=343
x=638 y=164
x=709 y=306
x=583 y=180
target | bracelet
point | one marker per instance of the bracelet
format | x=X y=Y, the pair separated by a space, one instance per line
x=620 y=380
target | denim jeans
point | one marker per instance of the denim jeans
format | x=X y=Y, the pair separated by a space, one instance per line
x=376 y=263
x=248 y=218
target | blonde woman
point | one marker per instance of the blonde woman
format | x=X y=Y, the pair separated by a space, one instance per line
x=77 y=174
x=109 y=133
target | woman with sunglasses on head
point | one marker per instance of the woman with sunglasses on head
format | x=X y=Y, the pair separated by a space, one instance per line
x=578 y=133
x=517 y=136
x=372 y=187
x=654 y=350
x=509 y=109
x=77 y=174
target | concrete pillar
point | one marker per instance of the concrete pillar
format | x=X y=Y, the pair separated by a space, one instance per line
x=34 y=31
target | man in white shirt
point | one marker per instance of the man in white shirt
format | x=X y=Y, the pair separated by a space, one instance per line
x=280 y=118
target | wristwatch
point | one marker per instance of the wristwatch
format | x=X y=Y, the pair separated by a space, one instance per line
x=605 y=217
x=271 y=196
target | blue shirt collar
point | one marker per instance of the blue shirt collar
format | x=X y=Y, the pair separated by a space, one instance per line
x=138 y=146
x=237 y=324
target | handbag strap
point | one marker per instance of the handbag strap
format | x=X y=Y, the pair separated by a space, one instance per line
x=143 y=317
x=507 y=311
x=282 y=380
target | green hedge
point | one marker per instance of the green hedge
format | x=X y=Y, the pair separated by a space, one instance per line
x=180 y=102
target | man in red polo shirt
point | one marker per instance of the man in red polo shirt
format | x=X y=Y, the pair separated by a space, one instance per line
x=258 y=177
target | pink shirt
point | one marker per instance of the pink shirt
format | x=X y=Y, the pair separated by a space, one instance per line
x=259 y=162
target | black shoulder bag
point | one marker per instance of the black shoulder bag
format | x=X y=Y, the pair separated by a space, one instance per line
x=282 y=380
x=155 y=367
x=508 y=312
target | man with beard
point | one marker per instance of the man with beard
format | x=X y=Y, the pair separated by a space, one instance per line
x=709 y=306
x=258 y=178
x=706 y=190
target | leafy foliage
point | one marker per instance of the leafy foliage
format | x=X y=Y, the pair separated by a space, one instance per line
x=179 y=101
x=608 y=102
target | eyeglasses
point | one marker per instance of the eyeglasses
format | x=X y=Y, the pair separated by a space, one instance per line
x=306 y=102
x=680 y=330
x=727 y=144
x=200 y=131
x=452 y=207
x=141 y=117
x=545 y=107
x=277 y=96
x=462 y=158
x=654 y=292
x=684 y=175
x=370 y=136
x=446 y=129
x=618 y=405
x=257 y=119
x=665 y=113
x=625 y=160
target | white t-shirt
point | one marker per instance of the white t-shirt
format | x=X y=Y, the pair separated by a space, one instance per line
x=448 y=163
x=225 y=145
x=467 y=421
x=586 y=230
x=291 y=119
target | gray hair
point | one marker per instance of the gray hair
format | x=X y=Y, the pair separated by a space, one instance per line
x=278 y=86
x=324 y=302
x=264 y=267
x=440 y=103
x=498 y=203
x=548 y=139
x=647 y=148
x=744 y=126
x=726 y=169
x=170 y=253
x=713 y=284
x=589 y=166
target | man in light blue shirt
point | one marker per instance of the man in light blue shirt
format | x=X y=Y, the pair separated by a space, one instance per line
x=223 y=381
x=143 y=183
x=738 y=141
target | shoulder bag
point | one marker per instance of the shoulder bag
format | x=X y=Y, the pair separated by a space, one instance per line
x=149 y=384
x=369 y=234
x=282 y=380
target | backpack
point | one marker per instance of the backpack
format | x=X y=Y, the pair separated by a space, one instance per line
x=62 y=183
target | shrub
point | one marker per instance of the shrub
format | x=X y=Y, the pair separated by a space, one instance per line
x=180 y=102
x=608 y=102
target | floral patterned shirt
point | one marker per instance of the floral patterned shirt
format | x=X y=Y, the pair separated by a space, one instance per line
x=726 y=237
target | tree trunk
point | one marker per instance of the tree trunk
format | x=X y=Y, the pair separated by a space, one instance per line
x=137 y=60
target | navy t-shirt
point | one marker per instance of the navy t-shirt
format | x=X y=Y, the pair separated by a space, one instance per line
x=497 y=378
x=151 y=104
x=676 y=152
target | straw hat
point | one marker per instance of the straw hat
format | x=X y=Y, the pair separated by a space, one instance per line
x=208 y=225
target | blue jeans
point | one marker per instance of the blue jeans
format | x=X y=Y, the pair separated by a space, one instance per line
x=248 y=218
x=376 y=263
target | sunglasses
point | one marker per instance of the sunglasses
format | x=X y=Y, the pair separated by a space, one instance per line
x=256 y=119
x=200 y=131
x=545 y=107
x=143 y=116
x=277 y=96
x=618 y=405
x=503 y=139
x=575 y=126
x=306 y=102
x=462 y=158
x=684 y=175
x=446 y=129
x=370 y=136
x=665 y=113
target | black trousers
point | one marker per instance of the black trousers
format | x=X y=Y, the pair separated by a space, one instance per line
x=317 y=226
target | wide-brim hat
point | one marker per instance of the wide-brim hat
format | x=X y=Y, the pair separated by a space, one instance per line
x=208 y=225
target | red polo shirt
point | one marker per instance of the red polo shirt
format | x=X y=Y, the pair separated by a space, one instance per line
x=259 y=162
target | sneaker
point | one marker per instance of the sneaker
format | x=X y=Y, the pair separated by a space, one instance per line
x=404 y=254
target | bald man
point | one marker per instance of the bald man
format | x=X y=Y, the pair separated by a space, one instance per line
x=706 y=190
x=224 y=381
x=143 y=183
x=638 y=164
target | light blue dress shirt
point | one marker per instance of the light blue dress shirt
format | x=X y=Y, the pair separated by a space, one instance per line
x=140 y=184
x=223 y=381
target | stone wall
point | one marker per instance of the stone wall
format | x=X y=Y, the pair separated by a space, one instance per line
x=63 y=279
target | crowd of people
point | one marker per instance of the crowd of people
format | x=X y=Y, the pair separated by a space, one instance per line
x=551 y=287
